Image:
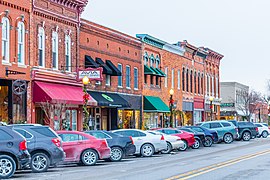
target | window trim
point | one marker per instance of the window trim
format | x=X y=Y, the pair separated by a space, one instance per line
x=166 y=77
x=172 y=79
x=55 y=36
x=178 y=79
x=108 y=83
x=120 y=77
x=6 y=20
x=21 y=30
x=136 y=79
x=128 y=79
x=68 y=52
x=41 y=33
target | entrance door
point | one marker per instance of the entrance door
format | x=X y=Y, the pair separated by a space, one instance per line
x=4 y=104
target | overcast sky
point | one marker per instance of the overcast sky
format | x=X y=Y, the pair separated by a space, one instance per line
x=238 y=29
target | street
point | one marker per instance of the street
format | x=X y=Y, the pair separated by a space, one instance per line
x=239 y=160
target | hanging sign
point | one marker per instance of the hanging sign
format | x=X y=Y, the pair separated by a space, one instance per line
x=91 y=73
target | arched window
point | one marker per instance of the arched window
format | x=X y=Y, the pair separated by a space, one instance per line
x=187 y=88
x=191 y=81
x=68 y=52
x=183 y=79
x=199 y=84
x=21 y=43
x=152 y=60
x=41 y=47
x=145 y=59
x=202 y=84
x=195 y=83
x=5 y=39
x=157 y=62
x=55 y=50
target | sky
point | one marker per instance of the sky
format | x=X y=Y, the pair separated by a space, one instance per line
x=237 y=29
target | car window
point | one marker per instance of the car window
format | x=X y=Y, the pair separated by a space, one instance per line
x=170 y=131
x=45 y=131
x=5 y=136
x=206 y=125
x=225 y=124
x=24 y=133
x=130 y=133
x=197 y=129
x=99 y=135
x=258 y=125
x=70 y=137
x=215 y=125
x=141 y=134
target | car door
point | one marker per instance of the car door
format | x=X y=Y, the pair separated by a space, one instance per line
x=31 y=140
x=217 y=126
x=7 y=141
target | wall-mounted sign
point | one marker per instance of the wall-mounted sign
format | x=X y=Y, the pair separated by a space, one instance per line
x=91 y=73
x=227 y=105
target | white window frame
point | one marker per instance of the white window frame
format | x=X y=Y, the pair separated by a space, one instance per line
x=108 y=80
x=172 y=79
x=21 y=43
x=6 y=39
x=68 y=52
x=136 y=78
x=217 y=85
x=120 y=78
x=178 y=79
x=128 y=77
x=166 y=77
x=41 y=45
x=55 y=49
x=213 y=85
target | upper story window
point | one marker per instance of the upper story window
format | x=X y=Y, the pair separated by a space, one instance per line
x=195 y=82
x=108 y=80
x=166 y=77
x=41 y=47
x=191 y=81
x=157 y=62
x=120 y=80
x=55 y=50
x=199 y=84
x=172 y=78
x=136 y=78
x=152 y=61
x=5 y=39
x=128 y=76
x=145 y=59
x=187 y=88
x=183 y=79
x=217 y=87
x=178 y=79
x=68 y=52
x=21 y=43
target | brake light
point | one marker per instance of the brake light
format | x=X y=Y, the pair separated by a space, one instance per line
x=131 y=139
x=23 y=145
x=257 y=129
x=57 y=142
x=236 y=129
x=104 y=143
x=179 y=139
x=162 y=138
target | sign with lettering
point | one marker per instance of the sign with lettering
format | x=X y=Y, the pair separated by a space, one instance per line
x=91 y=73
x=227 y=105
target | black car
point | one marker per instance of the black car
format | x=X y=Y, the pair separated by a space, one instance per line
x=246 y=130
x=44 y=145
x=120 y=145
x=13 y=152
x=210 y=134
x=199 y=137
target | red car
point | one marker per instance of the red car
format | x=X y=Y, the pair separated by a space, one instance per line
x=83 y=148
x=187 y=137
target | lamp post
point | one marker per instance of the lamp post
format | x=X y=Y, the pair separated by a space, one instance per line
x=211 y=108
x=171 y=107
x=86 y=97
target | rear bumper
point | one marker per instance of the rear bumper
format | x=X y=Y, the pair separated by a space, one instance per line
x=57 y=156
x=190 y=141
x=24 y=159
x=177 y=144
x=160 y=146
x=104 y=153
x=130 y=149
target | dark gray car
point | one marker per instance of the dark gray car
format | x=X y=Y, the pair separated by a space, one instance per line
x=44 y=145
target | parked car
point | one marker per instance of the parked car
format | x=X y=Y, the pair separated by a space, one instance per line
x=83 y=148
x=13 y=152
x=211 y=136
x=121 y=146
x=146 y=143
x=44 y=145
x=173 y=142
x=227 y=131
x=199 y=137
x=186 y=137
x=246 y=130
x=263 y=131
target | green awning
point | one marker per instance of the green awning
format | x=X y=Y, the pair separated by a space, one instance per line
x=147 y=70
x=155 y=71
x=154 y=104
x=161 y=72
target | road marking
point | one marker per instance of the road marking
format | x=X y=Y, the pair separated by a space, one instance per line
x=213 y=167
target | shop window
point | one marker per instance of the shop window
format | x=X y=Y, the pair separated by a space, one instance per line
x=150 y=120
x=55 y=50
x=127 y=76
x=71 y=120
x=136 y=78
x=21 y=43
x=108 y=80
x=120 y=80
x=5 y=39
x=4 y=104
x=41 y=47
x=68 y=52
x=19 y=108
x=127 y=119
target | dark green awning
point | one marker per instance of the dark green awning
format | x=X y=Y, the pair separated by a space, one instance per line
x=147 y=70
x=161 y=72
x=154 y=104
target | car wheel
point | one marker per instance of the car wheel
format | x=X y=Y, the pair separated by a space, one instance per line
x=246 y=136
x=228 y=138
x=7 y=167
x=168 y=150
x=208 y=141
x=147 y=150
x=39 y=162
x=264 y=134
x=116 y=154
x=196 y=145
x=184 y=147
x=89 y=157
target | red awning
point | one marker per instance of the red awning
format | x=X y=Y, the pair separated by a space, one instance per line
x=54 y=93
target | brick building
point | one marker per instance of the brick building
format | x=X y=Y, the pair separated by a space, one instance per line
x=14 y=63
x=119 y=94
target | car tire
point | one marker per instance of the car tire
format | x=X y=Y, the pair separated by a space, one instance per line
x=265 y=134
x=208 y=141
x=39 y=162
x=89 y=157
x=246 y=136
x=197 y=144
x=168 y=150
x=147 y=150
x=228 y=138
x=184 y=147
x=8 y=165
x=116 y=154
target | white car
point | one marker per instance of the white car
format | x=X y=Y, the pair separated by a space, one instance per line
x=262 y=130
x=173 y=142
x=146 y=143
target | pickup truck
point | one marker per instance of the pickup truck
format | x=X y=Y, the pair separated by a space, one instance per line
x=246 y=130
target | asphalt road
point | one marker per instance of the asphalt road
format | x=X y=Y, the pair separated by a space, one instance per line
x=239 y=160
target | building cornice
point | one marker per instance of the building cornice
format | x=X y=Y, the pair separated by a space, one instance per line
x=14 y=6
x=151 y=40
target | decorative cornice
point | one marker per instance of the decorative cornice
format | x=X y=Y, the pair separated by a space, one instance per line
x=174 y=49
x=195 y=51
x=14 y=6
x=151 y=40
x=77 y=5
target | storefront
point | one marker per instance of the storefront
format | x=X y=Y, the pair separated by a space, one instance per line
x=198 y=110
x=154 y=112
x=187 y=109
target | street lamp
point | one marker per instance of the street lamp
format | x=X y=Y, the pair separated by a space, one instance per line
x=211 y=107
x=86 y=97
x=171 y=107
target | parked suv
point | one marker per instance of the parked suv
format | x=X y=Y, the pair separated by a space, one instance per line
x=263 y=131
x=227 y=131
x=246 y=130
x=13 y=152
x=44 y=145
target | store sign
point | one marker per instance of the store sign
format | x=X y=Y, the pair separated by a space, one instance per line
x=91 y=73
x=227 y=105
x=108 y=98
